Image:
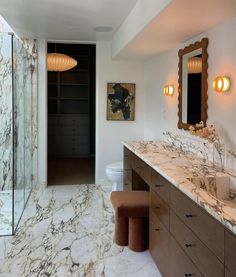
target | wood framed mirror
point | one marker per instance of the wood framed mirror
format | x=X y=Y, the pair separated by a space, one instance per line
x=193 y=65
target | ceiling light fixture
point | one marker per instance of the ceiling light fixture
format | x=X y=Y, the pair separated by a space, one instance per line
x=103 y=29
x=60 y=62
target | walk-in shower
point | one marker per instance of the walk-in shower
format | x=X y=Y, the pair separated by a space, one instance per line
x=16 y=130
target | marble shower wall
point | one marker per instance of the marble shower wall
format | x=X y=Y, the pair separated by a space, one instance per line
x=5 y=112
x=25 y=97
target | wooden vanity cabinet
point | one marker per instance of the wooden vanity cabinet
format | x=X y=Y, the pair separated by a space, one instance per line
x=184 y=240
x=127 y=164
x=230 y=253
x=159 y=238
x=207 y=229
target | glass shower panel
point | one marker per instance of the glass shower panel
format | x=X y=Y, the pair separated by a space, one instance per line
x=28 y=125
x=6 y=140
x=22 y=91
x=19 y=132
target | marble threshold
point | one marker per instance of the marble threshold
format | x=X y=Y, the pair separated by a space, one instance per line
x=178 y=166
x=68 y=231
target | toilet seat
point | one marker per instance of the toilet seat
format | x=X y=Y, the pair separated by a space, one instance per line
x=116 y=167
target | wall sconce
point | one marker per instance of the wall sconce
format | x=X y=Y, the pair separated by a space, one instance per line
x=221 y=84
x=168 y=90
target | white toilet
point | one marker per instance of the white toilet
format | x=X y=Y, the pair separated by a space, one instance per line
x=114 y=173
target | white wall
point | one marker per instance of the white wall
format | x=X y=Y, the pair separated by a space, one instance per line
x=161 y=111
x=110 y=134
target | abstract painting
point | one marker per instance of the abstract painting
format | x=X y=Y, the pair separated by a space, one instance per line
x=120 y=101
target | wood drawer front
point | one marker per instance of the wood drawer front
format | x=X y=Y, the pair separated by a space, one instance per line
x=159 y=244
x=127 y=152
x=146 y=172
x=136 y=164
x=160 y=209
x=160 y=185
x=204 y=259
x=202 y=224
x=127 y=162
x=180 y=265
x=228 y=273
x=127 y=180
x=230 y=251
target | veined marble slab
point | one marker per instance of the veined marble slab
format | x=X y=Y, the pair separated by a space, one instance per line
x=178 y=166
x=67 y=231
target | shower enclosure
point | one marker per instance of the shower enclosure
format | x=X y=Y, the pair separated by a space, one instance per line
x=16 y=148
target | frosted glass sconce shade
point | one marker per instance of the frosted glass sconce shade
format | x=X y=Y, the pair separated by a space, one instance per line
x=60 y=62
x=168 y=90
x=221 y=84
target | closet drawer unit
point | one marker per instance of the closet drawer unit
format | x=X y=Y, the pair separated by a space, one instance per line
x=160 y=209
x=230 y=251
x=159 y=244
x=73 y=130
x=202 y=224
x=53 y=121
x=208 y=264
x=74 y=120
x=179 y=263
x=161 y=186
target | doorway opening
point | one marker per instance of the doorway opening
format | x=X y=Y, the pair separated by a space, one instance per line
x=71 y=117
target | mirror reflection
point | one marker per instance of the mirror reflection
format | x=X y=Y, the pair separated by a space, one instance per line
x=192 y=85
x=192 y=98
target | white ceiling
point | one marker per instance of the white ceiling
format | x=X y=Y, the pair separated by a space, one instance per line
x=65 y=19
x=178 y=22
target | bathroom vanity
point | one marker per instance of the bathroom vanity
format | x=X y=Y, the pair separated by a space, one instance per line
x=191 y=233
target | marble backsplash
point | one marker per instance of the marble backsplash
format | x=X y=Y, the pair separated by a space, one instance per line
x=225 y=161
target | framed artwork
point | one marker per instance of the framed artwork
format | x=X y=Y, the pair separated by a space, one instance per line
x=120 y=101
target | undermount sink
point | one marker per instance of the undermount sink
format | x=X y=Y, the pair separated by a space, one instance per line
x=218 y=186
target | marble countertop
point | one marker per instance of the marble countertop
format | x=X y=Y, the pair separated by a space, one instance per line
x=177 y=167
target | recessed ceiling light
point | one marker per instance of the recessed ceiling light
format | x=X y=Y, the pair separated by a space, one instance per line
x=103 y=29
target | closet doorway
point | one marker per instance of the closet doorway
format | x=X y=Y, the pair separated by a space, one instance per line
x=71 y=117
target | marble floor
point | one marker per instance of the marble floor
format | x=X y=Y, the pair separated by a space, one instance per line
x=68 y=231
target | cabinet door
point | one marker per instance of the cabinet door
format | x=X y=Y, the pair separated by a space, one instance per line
x=230 y=251
x=159 y=244
x=180 y=264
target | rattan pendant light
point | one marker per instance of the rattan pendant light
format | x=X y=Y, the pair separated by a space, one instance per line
x=60 y=62
x=195 y=65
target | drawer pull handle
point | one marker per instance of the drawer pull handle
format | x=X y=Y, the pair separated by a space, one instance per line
x=189 y=215
x=157 y=207
x=138 y=167
x=188 y=274
x=126 y=156
x=157 y=229
x=126 y=184
x=158 y=186
x=188 y=245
